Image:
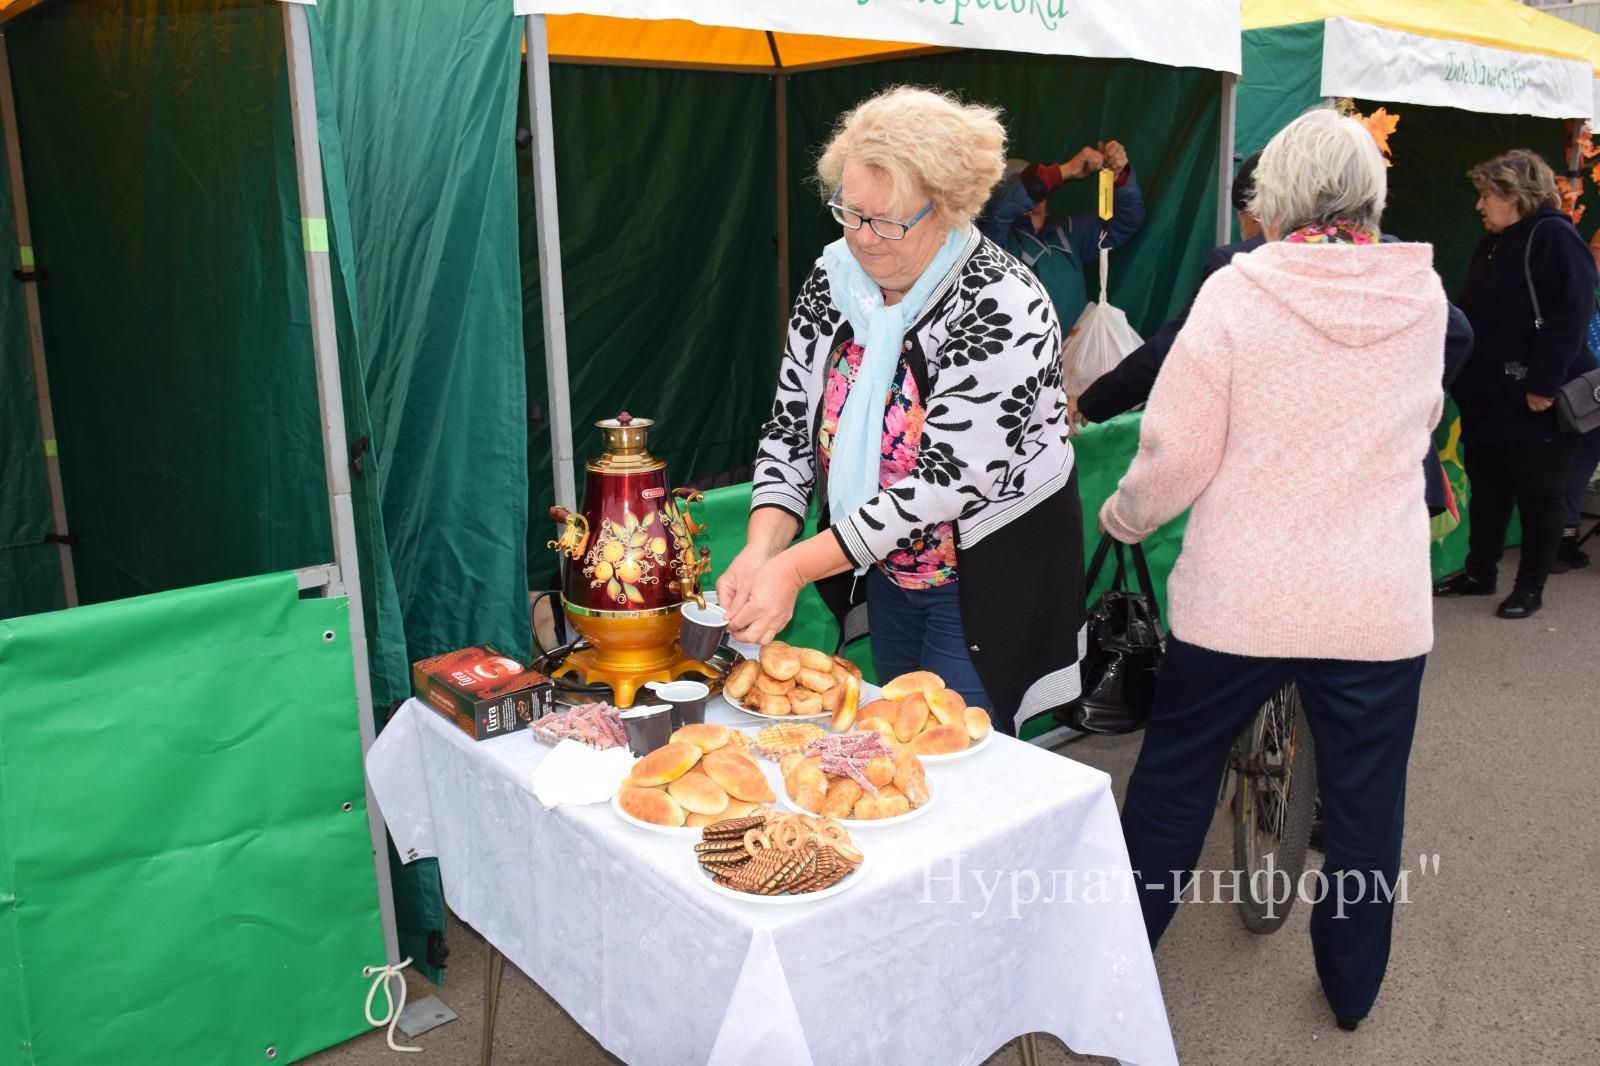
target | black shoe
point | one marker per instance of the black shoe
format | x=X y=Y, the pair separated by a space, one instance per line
x=1463 y=585
x=1348 y=1024
x=1569 y=556
x=1520 y=604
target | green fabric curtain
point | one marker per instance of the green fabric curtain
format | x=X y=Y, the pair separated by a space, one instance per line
x=668 y=236
x=30 y=573
x=160 y=164
x=1282 y=80
x=427 y=144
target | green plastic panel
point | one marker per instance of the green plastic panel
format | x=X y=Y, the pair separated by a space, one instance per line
x=180 y=881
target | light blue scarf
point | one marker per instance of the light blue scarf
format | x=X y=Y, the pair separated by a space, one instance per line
x=858 y=442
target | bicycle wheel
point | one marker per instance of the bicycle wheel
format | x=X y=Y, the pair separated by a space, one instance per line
x=1276 y=788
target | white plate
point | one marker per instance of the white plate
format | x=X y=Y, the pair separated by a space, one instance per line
x=952 y=756
x=871 y=823
x=729 y=700
x=849 y=881
x=675 y=830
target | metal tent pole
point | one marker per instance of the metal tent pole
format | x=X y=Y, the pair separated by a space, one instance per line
x=782 y=104
x=555 y=312
x=345 y=578
x=1230 y=108
x=30 y=295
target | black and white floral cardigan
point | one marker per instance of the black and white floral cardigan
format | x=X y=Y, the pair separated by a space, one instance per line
x=994 y=458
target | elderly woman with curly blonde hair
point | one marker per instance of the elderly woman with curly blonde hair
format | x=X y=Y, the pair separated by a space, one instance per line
x=920 y=402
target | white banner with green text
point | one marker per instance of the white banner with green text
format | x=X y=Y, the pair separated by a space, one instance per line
x=1193 y=33
x=1373 y=63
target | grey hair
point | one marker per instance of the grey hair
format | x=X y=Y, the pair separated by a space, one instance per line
x=1320 y=169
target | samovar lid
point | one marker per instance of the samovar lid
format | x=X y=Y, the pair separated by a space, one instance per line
x=623 y=443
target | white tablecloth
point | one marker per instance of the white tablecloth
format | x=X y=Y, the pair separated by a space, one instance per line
x=957 y=940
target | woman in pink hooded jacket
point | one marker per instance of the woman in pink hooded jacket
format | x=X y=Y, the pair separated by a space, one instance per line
x=1289 y=417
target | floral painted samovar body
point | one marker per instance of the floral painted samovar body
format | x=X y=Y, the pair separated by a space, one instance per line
x=631 y=564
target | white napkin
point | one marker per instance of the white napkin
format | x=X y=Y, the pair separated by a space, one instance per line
x=575 y=774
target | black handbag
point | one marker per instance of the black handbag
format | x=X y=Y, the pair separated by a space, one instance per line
x=1125 y=645
x=1578 y=401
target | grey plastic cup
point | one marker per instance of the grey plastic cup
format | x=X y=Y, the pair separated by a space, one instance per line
x=648 y=728
x=687 y=699
x=703 y=629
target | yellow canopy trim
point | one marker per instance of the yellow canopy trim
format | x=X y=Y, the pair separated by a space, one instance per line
x=599 y=39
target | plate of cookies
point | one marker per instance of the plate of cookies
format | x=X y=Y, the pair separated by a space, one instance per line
x=788 y=682
x=778 y=858
x=702 y=776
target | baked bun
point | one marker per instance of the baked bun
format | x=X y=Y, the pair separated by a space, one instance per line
x=880 y=709
x=947 y=705
x=910 y=778
x=840 y=799
x=804 y=701
x=977 y=722
x=811 y=659
x=651 y=805
x=841 y=663
x=833 y=699
x=879 y=725
x=773 y=706
x=742 y=678
x=771 y=686
x=700 y=821
x=815 y=680
x=667 y=763
x=918 y=681
x=789 y=762
x=780 y=661
x=698 y=794
x=738 y=775
x=910 y=718
x=808 y=798
x=844 y=715
x=941 y=740
x=737 y=809
x=880 y=771
x=703 y=735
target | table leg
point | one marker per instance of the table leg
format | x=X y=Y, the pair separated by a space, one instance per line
x=494 y=968
x=1030 y=1049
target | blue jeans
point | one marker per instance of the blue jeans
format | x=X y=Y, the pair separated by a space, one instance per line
x=1362 y=715
x=1583 y=467
x=920 y=629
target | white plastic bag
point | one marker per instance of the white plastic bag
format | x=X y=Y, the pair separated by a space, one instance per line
x=1098 y=341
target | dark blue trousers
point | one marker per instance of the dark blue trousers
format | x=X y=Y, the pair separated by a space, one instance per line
x=1362 y=716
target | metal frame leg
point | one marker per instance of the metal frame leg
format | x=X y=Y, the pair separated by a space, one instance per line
x=1030 y=1048
x=494 y=968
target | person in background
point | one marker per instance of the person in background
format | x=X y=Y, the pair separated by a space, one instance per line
x=1516 y=453
x=1584 y=462
x=1128 y=386
x=1298 y=563
x=1057 y=251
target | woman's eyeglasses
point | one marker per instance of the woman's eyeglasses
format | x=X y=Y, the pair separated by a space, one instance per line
x=886 y=228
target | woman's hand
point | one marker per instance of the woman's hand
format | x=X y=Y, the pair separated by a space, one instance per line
x=1075 y=419
x=766 y=600
x=1540 y=403
x=733 y=587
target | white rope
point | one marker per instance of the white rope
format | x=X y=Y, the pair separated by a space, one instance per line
x=382 y=976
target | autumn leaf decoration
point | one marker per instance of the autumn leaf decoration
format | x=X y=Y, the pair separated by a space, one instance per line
x=1380 y=124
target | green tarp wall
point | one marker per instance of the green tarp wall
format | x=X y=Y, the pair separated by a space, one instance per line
x=669 y=230
x=157 y=144
x=1430 y=198
x=185 y=866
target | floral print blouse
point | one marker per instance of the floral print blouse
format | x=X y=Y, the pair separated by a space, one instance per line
x=928 y=562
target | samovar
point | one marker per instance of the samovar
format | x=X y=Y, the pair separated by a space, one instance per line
x=631 y=564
